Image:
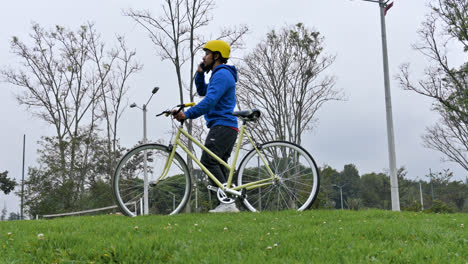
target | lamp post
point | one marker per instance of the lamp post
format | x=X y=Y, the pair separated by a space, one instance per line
x=341 y=192
x=420 y=193
x=173 y=199
x=384 y=6
x=22 y=180
x=145 y=161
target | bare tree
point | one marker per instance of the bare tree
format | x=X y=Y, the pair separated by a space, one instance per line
x=113 y=68
x=450 y=137
x=67 y=79
x=283 y=76
x=447 y=84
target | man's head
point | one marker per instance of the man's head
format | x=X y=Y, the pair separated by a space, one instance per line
x=216 y=52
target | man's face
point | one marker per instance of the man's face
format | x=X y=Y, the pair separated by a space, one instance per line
x=208 y=58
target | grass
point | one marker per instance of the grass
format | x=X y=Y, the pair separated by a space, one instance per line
x=317 y=236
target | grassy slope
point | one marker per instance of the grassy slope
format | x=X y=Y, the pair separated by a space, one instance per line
x=285 y=237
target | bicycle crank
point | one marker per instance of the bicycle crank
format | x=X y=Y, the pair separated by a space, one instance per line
x=223 y=197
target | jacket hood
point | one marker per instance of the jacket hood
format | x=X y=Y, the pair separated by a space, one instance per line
x=231 y=68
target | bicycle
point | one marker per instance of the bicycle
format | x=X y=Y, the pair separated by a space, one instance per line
x=275 y=175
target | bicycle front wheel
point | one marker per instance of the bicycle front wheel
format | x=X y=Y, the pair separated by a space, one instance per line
x=139 y=188
x=294 y=184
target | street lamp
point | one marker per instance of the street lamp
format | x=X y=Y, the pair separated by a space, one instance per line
x=341 y=192
x=143 y=108
x=145 y=171
x=384 y=6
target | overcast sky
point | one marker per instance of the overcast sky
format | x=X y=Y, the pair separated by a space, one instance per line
x=352 y=131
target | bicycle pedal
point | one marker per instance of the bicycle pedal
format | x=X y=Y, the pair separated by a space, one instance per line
x=212 y=188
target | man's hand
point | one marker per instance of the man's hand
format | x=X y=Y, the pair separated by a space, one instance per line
x=200 y=69
x=179 y=116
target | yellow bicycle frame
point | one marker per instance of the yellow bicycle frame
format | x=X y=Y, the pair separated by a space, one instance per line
x=249 y=186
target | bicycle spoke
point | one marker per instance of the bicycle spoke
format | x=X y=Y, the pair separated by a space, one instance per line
x=263 y=190
x=302 y=184
x=131 y=193
x=268 y=199
x=296 y=196
x=298 y=166
x=282 y=197
x=257 y=175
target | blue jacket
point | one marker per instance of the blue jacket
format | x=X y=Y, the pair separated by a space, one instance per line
x=220 y=97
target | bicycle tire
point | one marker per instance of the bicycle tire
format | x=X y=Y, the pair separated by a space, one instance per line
x=168 y=196
x=297 y=182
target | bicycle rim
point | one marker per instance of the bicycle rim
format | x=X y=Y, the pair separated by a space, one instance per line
x=297 y=178
x=166 y=196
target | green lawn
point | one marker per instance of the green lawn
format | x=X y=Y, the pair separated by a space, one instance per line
x=318 y=236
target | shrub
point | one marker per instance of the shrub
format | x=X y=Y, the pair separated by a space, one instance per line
x=440 y=207
x=413 y=207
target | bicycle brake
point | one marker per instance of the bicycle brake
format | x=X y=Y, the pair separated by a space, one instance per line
x=258 y=146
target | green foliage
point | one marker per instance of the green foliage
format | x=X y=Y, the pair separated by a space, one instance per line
x=348 y=179
x=6 y=184
x=372 y=190
x=14 y=216
x=375 y=190
x=354 y=203
x=325 y=198
x=315 y=236
x=413 y=207
x=454 y=13
x=457 y=193
x=440 y=207
x=52 y=188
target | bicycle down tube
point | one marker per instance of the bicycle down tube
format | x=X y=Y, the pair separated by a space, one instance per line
x=231 y=168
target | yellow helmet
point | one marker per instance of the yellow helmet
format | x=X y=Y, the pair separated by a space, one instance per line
x=220 y=46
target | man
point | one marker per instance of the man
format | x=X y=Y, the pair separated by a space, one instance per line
x=217 y=106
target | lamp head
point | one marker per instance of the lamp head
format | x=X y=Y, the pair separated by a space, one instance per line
x=133 y=105
x=155 y=90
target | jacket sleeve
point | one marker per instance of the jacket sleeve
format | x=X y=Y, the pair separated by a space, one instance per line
x=200 y=83
x=216 y=88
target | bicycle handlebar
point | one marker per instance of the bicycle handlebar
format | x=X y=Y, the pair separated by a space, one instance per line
x=181 y=107
x=188 y=104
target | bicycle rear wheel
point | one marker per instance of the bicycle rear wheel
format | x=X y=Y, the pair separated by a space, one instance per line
x=166 y=196
x=296 y=180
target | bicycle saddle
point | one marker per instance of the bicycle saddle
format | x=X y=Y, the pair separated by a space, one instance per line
x=248 y=115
